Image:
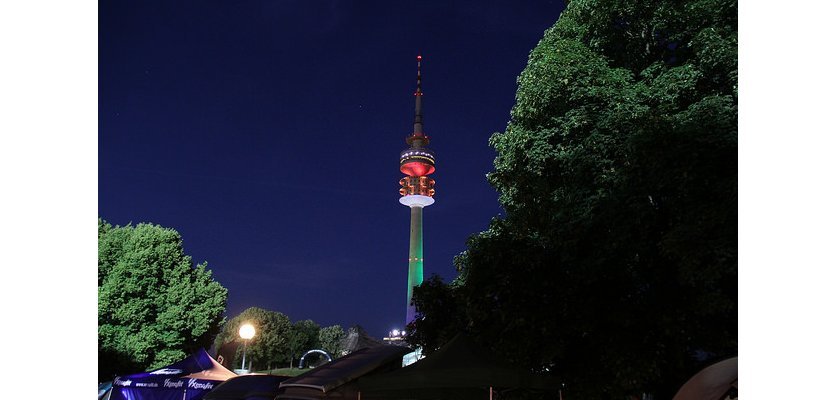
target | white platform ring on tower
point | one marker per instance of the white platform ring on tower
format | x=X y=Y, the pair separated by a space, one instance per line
x=416 y=200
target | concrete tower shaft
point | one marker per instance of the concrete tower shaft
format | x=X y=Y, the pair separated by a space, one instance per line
x=415 y=258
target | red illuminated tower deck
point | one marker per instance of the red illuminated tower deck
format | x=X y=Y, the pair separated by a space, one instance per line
x=417 y=190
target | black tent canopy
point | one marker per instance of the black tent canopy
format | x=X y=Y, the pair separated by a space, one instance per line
x=715 y=382
x=247 y=387
x=337 y=379
x=459 y=370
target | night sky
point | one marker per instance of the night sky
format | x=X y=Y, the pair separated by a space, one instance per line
x=268 y=133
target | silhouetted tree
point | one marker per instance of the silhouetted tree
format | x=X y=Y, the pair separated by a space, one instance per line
x=615 y=266
x=439 y=314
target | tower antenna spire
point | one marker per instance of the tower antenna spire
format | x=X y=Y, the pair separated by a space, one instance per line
x=418 y=103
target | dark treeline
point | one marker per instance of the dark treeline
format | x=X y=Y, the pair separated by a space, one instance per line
x=614 y=267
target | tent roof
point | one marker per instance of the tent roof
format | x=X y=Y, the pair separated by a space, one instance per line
x=345 y=369
x=711 y=383
x=357 y=338
x=189 y=378
x=460 y=352
x=215 y=372
x=459 y=365
x=198 y=363
x=249 y=387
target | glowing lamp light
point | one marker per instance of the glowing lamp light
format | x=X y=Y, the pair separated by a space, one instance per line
x=247 y=331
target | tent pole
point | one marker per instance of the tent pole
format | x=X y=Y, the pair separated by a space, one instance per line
x=491 y=393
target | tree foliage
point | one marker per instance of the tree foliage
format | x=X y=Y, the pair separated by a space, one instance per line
x=271 y=344
x=154 y=306
x=439 y=319
x=330 y=339
x=615 y=266
x=303 y=337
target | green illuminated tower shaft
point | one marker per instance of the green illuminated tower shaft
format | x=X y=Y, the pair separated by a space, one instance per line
x=416 y=189
x=415 y=258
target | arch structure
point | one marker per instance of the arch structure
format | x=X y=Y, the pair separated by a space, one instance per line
x=322 y=352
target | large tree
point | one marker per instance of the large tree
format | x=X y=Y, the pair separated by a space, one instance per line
x=271 y=344
x=304 y=337
x=330 y=339
x=154 y=305
x=440 y=308
x=615 y=266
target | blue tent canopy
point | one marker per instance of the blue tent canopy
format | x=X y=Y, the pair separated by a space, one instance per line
x=189 y=379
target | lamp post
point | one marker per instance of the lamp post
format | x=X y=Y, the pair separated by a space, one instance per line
x=247 y=331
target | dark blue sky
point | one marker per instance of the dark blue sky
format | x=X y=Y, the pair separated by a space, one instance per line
x=268 y=132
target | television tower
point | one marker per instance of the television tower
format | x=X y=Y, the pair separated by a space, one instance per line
x=417 y=189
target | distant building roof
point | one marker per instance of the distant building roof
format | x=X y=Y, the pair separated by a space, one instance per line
x=357 y=338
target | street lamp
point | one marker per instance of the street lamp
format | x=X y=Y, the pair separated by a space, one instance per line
x=246 y=332
x=395 y=335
